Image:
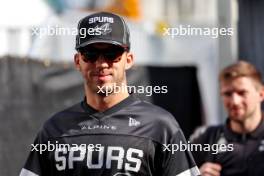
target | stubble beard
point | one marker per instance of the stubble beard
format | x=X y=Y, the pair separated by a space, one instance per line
x=244 y=117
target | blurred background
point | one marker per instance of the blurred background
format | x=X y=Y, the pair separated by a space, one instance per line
x=37 y=76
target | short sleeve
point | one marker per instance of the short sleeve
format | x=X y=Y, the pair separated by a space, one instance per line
x=178 y=160
x=36 y=163
x=206 y=136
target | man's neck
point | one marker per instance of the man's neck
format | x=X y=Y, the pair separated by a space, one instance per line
x=248 y=125
x=102 y=102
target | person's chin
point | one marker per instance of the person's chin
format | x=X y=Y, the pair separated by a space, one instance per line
x=104 y=88
x=107 y=85
x=237 y=116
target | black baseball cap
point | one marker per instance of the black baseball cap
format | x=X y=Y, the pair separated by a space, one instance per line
x=102 y=27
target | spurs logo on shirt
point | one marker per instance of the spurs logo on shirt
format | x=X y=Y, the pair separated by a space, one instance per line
x=129 y=159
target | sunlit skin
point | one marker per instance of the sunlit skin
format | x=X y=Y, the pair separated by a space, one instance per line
x=103 y=73
x=242 y=99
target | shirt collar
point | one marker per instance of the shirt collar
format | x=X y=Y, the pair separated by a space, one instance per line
x=127 y=101
x=257 y=133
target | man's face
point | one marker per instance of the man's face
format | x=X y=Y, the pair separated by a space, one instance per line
x=241 y=98
x=102 y=71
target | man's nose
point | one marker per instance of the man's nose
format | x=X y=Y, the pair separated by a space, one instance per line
x=101 y=61
x=235 y=98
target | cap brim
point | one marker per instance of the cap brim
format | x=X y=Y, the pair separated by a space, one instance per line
x=99 y=41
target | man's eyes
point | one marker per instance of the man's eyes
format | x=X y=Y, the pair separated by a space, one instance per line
x=230 y=93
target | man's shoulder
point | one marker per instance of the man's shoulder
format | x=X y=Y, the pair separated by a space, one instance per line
x=158 y=117
x=153 y=109
x=156 y=112
x=63 y=117
x=69 y=111
x=206 y=133
x=161 y=125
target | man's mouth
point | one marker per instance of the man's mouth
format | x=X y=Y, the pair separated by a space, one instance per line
x=236 y=110
x=103 y=77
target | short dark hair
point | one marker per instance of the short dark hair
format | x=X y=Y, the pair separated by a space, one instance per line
x=241 y=69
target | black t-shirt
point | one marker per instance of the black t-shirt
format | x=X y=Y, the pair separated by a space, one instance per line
x=125 y=140
x=243 y=155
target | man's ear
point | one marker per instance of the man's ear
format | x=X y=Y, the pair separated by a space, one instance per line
x=262 y=93
x=129 y=60
x=77 y=57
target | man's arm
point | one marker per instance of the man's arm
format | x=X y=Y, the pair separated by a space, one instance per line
x=204 y=159
x=179 y=161
x=36 y=163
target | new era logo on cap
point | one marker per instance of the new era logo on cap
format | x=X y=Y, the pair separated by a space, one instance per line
x=102 y=27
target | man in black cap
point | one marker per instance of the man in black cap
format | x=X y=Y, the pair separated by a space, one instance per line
x=110 y=132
